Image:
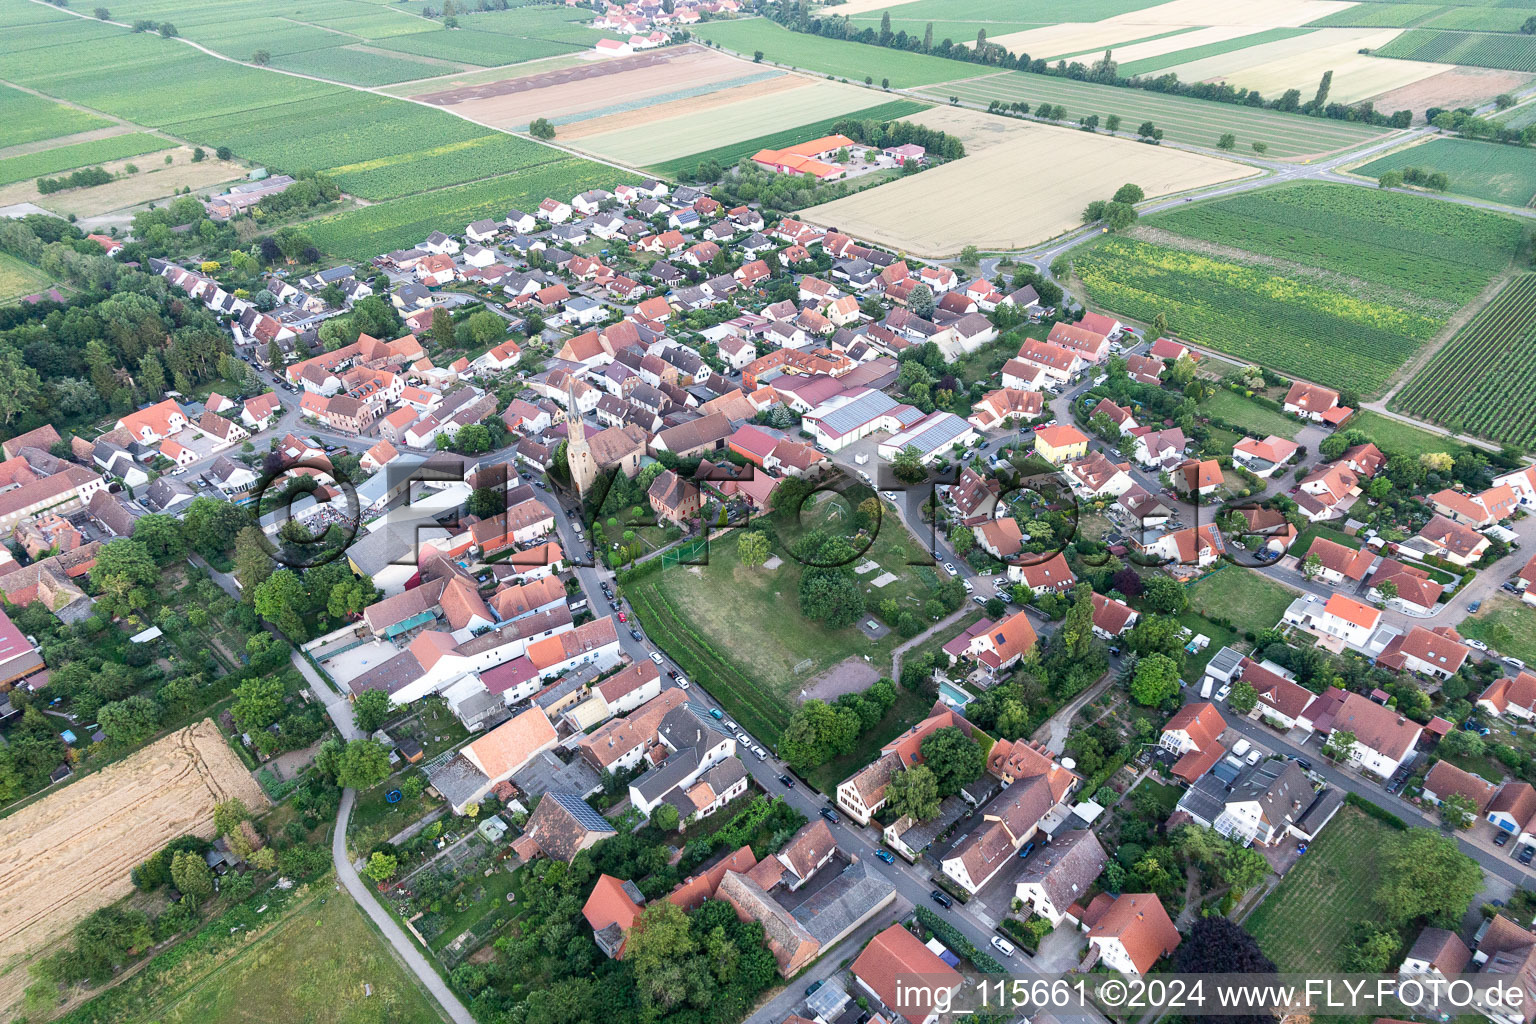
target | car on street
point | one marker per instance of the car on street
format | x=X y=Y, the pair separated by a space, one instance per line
x=762 y=755
x=656 y=657
x=1476 y=645
x=830 y=815
x=1002 y=945
x=682 y=682
x=672 y=673
x=885 y=855
x=622 y=617
x=635 y=634
x=1303 y=763
x=789 y=782
x=949 y=567
x=1500 y=837
x=1526 y=853
x=1394 y=786
x=716 y=714
x=1513 y=662
x=1474 y=606
x=613 y=605
x=812 y=987
x=940 y=897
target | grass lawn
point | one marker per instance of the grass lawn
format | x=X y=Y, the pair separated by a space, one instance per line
x=1304 y=540
x=1242 y=596
x=374 y=819
x=18 y=278
x=1507 y=625
x=1249 y=415
x=490 y=900
x=1395 y=437
x=1484 y=765
x=310 y=968
x=1221 y=636
x=1167 y=796
x=1304 y=923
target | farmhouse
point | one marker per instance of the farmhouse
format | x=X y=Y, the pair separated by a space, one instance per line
x=815 y=158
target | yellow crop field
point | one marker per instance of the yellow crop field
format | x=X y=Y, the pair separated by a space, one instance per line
x=1019 y=183
x=1271 y=68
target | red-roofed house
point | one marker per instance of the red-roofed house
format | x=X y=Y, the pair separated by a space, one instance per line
x=1112 y=617
x=897 y=953
x=1133 y=934
x=1512 y=695
x=1194 y=735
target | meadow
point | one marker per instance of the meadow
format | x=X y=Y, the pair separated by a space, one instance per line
x=81 y=154
x=1437 y=251
x=1506 y=625
x=1396 y=437
x=1305 y=923
x=1247 y=598
x=28 y=118
x=728 y=155
x=1191 y=121
x=1482 y=170
x=1510 y=50
x=363 y=233
x=18 y=278
x=1482 y=382
x=1480 y=19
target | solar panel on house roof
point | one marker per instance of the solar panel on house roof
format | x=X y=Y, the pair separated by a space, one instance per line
x=858 y=412
x=582 y=812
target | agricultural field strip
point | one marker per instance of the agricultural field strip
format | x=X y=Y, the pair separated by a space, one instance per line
x=83 y=154
x=1129 y=42
x=1379 y=15
x=1183 y=119
x=1193 y=53
x=1481 y=382
x=677 y=94
x=1482 y=170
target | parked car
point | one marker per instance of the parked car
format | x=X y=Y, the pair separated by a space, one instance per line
x=1255 y=756
x=622 y=617
x=885 y=855
x=1476 y=645
x=788 y=781
x=1500 y=838
x=762 y=755
x=1002 y=945
x=1513 y=662
x=830 y=815
x=1474 y=606
x=1526 y=853
x=1511 y=588
x=656 y=657
x=1241 y=747
x=967 y=585
x=979 y=599
x=635 y=634
x=811 y=989
x=949 y=567
x=682 y=682
x=940 y=897
x=716 y=714
x=1303 y=763
x=1221 y=694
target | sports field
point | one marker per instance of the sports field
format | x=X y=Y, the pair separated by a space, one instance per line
x=923 y=213
x=1483 y=381
x=1194 y=122
x=1483 y=170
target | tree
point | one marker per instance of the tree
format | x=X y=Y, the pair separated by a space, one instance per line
x=1243 y=697
x=963 y=538
x=253 y=563
x=1227 y=141
x=1263 y=147
x=261 y=58
x=1129 y=193
x=124 y=574
x=362 y=765
x=1341 y=742
x=1218 y=945
x=908 y=465
x=914 y=792
x=665 y=817
x=1390 y=179
x=920 y=301
x=1112 y=123
x=281 y=600
x=382 y=866
x=1312 y=565
x=1322 y=90
x=161 y=535
x=970 y=256
x=1425 y=876
x=371 y=709
x=752 y=548
x=954 y=758
x=130 y=720
x=192 y=875
x=1156 y=680
x=1165 y=595
x=227 y=816
x=542 y=129
x=1458 y=811
x=258 y=703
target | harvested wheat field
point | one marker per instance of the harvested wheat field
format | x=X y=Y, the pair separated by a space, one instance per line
x=594 y=89
x=1247 y=15
x=777 y=85
x=1458 y=87
x=1019 y=184
x=71 y=852
x=1299 y=62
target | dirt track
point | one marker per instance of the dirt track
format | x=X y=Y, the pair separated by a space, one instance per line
x=71 y=853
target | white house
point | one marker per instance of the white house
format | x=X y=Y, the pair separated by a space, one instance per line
x=1383 y=738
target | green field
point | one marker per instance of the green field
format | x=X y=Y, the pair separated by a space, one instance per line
x=312 y=967
x=853 y=61
x=488 y=155
x=1505 y=624
x=1191 y=121
x=363 y=233
x=1148 y=65
x=1399 y=437
x=28 y=118
x=1510 y=50
x=18 y=278
x=998 y=17
x=1481 y=19
x=1304 y=923
x=81 y=154
x=1483 y=381
x=728 y=155
x=1482 y=170
x=360 y=67
x=1245 y=597
x=1376 y=15
x=1257 y=420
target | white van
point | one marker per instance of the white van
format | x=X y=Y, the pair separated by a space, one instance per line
x=1241 y=747
x=1205 y=687
x=1002 y=945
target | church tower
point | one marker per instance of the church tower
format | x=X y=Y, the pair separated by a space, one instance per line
x=578 y=453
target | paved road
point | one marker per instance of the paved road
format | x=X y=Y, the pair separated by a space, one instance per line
x=404 y=947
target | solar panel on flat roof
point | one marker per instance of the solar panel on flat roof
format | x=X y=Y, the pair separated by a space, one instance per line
x=858 y=412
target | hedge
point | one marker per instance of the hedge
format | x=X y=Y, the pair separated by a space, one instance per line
x=951 y=937
x=1381 y=814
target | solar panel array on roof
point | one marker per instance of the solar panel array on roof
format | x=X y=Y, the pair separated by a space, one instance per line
x=856 y=413
x=942 y=431
x=581 y=811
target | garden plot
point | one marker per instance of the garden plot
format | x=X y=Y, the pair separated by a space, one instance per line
x=985 y=199
x=70 y=853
